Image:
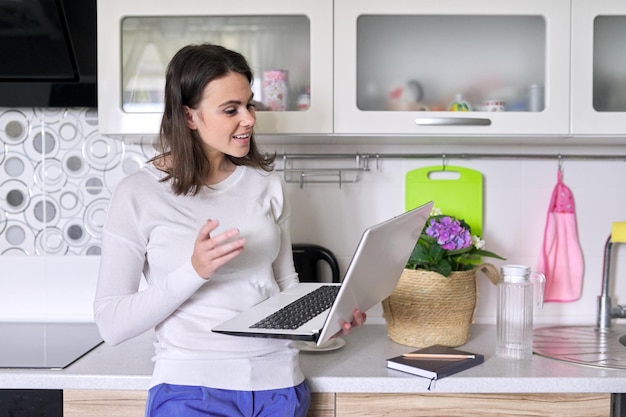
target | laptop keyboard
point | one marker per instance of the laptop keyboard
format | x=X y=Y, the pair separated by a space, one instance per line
x=297 y=313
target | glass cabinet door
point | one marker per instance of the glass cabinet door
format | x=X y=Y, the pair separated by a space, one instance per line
x=599 y=67
x=452 y=67
x=287 y=44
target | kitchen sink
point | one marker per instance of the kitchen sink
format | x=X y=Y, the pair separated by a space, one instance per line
x=584 y=345
x=602 y=345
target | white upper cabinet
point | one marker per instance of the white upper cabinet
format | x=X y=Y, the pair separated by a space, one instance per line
x=401 y=66
x=287 y=43
x=599 y=67
x=496 y=68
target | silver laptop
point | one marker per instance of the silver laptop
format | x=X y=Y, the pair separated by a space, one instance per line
x=371 y=277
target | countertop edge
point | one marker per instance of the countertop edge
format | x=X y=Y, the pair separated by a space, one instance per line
x=358 y=367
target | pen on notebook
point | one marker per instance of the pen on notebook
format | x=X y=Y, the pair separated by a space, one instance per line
x=436 y=356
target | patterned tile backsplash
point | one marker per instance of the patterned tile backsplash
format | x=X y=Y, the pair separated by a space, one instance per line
x=57 y=174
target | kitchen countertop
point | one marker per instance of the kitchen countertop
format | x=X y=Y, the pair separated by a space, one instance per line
x=358 y=367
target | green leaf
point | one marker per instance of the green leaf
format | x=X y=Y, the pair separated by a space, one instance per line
x=469 y=259
x=426 y=240
x=481 y=252
x=437 y=253
x=420 y=254
x=460 y=251
x=443 y=267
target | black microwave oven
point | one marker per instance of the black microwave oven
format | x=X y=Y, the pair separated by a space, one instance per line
x=49 y=53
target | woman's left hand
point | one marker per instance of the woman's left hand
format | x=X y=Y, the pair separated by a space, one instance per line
x=358 y=318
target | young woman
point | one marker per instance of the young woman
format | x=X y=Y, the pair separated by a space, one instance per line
x=207 y=223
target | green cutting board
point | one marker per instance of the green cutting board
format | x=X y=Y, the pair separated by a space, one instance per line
x=455 y=190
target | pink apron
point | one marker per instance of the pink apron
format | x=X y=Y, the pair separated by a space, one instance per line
x=561 y=259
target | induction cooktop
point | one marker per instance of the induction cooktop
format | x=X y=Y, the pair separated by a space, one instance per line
x=50 y=345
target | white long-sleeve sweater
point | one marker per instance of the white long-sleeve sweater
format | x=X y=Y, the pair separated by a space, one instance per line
x=149 y=229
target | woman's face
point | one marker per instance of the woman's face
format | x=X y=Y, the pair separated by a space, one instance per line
x=225 y=116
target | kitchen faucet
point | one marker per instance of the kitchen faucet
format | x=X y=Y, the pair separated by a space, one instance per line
x=606 y=311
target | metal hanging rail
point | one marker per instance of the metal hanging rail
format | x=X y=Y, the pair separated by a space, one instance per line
x=361 y=163
x=327 y=174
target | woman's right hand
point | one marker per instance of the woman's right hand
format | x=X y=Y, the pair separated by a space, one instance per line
x=210 y=253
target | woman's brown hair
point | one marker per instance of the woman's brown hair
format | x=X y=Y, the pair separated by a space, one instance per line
x=188 y=73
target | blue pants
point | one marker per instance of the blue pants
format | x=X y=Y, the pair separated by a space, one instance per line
x=167 y=400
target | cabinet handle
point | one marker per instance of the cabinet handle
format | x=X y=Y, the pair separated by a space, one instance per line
x=452 y=121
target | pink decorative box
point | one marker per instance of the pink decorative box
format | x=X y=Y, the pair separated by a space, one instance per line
x=275 y=90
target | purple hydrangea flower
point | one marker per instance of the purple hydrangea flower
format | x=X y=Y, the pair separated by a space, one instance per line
x=449 y=233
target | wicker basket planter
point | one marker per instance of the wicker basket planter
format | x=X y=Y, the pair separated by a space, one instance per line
x=428 y=309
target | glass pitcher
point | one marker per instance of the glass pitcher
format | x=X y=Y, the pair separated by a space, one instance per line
x=519 y=291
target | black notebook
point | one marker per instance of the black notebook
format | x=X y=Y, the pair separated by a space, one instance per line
x=435 y=362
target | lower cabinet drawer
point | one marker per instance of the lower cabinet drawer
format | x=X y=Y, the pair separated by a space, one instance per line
x=322 y=405
x=484 y=405
x=106 y=403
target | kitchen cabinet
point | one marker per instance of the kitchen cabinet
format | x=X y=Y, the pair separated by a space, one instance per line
x=485 y=405
x=390 y=68
x=121 y=403
x=399 y=65
x=289 y=41
x=104 y=403
x=109 y=403
x=598 y=67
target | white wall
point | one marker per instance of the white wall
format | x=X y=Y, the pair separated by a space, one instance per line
x=516 y=198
